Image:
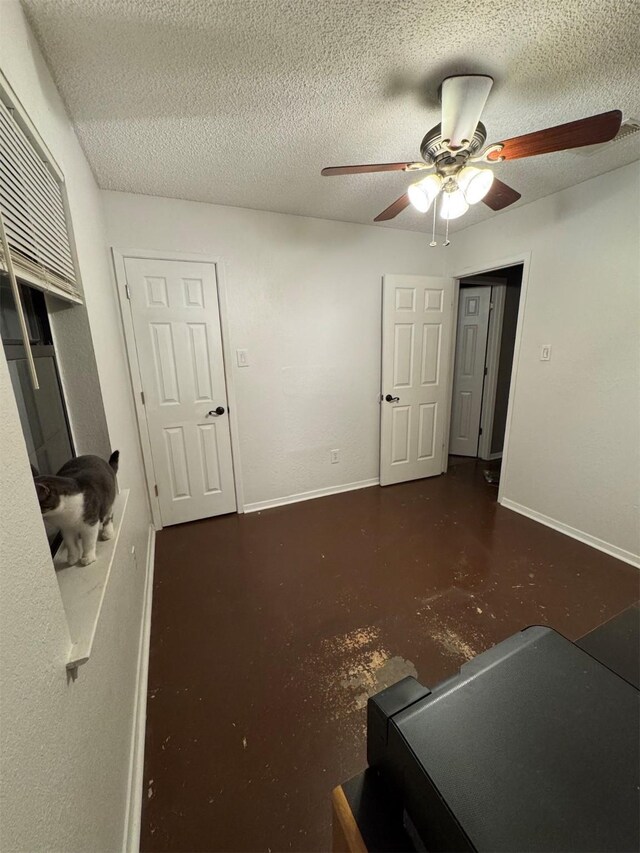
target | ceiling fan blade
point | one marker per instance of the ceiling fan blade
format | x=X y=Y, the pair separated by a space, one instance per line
x=500 y=195
x=463 y=99
x=394 y=209
x=374 y=167
x=574 y=134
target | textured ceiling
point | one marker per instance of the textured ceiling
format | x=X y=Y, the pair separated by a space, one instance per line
x=241 y=102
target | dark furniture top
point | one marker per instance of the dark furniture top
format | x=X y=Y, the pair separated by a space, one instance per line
x=533 y=746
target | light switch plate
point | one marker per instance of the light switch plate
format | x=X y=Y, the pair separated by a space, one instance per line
x=545 y=352
x=242 y=357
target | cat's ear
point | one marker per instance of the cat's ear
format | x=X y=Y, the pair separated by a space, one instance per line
x=43 y=491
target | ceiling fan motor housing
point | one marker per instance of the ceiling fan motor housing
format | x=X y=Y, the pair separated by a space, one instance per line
x=434 y=150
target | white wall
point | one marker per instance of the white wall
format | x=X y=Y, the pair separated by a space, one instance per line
x=305 y=299
x=64 y=747
x=574 y=445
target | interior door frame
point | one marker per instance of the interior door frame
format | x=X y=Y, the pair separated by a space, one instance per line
x=523 y=258
x=119 y=258
x=492 y=362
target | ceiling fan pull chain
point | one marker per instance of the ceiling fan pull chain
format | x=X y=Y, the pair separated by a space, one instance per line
x=433 y=236
x=446 y=234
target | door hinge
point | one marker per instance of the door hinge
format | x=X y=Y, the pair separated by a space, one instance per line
x=479 y=433
x=155 y=488
x=127 y=291
x=142 y=398
x=486 y=370
x=491 y=306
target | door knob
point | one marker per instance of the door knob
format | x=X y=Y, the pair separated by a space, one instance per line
x=391 y=399
x=216 y=412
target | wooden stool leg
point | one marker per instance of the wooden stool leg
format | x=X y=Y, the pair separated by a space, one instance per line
x=346 y=835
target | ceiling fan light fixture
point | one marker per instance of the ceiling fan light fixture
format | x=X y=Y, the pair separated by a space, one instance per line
x=422 y=194
x=475 y=183
x=453 y=204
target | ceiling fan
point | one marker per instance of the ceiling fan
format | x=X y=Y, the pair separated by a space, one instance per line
x=451 y=149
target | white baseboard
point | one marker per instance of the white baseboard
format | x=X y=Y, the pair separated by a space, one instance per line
x=131 y=839
x=581 y=536
x=307 y=496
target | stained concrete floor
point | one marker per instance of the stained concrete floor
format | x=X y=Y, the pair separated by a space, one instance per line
x=270 y=630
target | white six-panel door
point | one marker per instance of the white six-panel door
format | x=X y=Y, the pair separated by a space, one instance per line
x=417 y=320
x=176 y=321
x=474 y=306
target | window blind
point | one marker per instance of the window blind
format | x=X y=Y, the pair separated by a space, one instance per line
x=32 y=209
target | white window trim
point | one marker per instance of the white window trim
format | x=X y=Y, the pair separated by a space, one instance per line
x=83 y=588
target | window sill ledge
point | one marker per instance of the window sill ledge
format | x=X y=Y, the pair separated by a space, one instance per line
x=83 y=589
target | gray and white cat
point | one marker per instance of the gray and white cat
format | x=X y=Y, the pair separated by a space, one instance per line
x=79 y=500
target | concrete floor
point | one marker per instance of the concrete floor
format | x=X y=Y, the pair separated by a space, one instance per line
x=270 y=630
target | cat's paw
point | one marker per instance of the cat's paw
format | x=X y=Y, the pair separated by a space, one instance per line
x=72 y=557
x=87 y=559
x=106 y=532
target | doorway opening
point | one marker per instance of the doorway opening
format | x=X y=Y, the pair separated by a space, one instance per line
x=486 y=323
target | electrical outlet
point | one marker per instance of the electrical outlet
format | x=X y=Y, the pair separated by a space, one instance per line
x=335 y=456
x=545 y=353
x=242 y=357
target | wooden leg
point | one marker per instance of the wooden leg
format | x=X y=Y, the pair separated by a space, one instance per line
x=346 y=835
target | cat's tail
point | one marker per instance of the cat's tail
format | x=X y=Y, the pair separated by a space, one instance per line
x=114 y=459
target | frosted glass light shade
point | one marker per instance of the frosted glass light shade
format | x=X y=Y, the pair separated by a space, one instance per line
x=422 y=194
x=475 y=183
x=453 y=205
